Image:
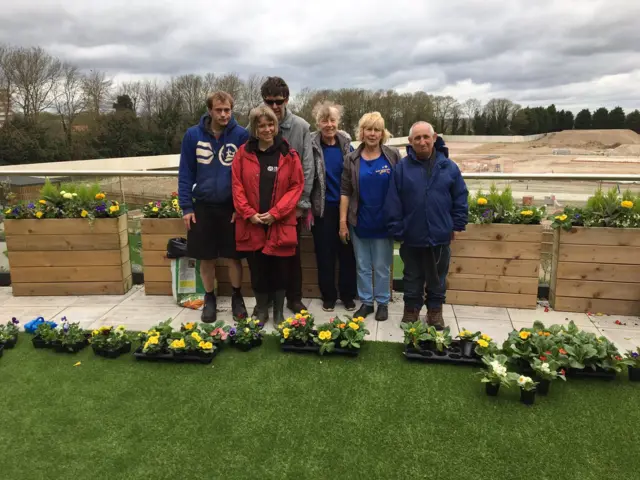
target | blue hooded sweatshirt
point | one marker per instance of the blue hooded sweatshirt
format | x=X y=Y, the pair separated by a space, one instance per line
x=205 y=164
x=423 y=210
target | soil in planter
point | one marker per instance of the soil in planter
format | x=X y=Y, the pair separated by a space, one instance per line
x=491 y=389
x=300 y=347
x=187 y=357
x=451 y=354
x=9 y=344
x=543 y=387
x=528 y=397
x=126 y=348
x=634 y=373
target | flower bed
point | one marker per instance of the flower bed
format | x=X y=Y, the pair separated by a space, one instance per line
x=9 y=333
x=68 y=243
x=110 y=342
x=64 y=338
x=496 y=261
x=596 y=256
x=426 y=344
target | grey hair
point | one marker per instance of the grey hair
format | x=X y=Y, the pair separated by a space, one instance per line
x=421 y=122
x=324 y=109
x=256 y=114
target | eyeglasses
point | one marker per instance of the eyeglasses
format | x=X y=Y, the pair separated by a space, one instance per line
x=280 y=101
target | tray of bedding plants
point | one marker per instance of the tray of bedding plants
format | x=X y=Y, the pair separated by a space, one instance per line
x=426 y=344
x=588 y=372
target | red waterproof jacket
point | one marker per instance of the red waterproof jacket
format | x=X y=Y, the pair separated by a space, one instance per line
x=281 y=238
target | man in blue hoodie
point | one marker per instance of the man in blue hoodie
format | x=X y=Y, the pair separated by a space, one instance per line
x=204 y=191
x=425 y=205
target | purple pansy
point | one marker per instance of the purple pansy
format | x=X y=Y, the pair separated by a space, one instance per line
x=31 y=205
x=15 y=321
x=635 y=354
x=232 y=332
x=101 y=208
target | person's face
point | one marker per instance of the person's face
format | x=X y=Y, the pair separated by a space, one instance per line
x=266 y=130
x=220 y=113
x=276 y=103
x=372 y=136
x=422 y=140
x=328 y=126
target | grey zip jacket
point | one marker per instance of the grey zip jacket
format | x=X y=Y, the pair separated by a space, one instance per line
x=295 y=131
x=319 y=191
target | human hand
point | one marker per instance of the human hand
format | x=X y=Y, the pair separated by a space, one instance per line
x=256 y=219
x=344 y=232
x=299 y=212
x=188 y=218
x=267 y=218
x=233 y=217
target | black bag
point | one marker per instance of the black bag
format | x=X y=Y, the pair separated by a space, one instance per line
x=177 y=248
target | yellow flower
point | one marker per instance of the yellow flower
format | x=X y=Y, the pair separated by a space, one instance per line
x=84 y=213
x=77 y=364
x=354 y=326
x=412 y=330
x=100 y=196
x=324 y=335
x=483 y=343
x=526 y=213
x=281 y=326
x=540 y=332
x=152 y=341
x=298 y=316
x=190 y=326
x=482 y=201
x=246 y=330
x=359 y=319
x=150 y=203
x=562 y=217
x=42 y=202
x=289 y=320
x=39 y=214
x=177 y=343
x=255 y=322
x=465 y=333
x=486 y=337
x=155 y=209
x=285 y=333
x=208 y=346
x=113 y=208
x=105 y=328
x=95 y=332
x=524 y=335
x=627 y=204
x=154 y=333
x=196 y=337
x=7 y=211
x=304 y=312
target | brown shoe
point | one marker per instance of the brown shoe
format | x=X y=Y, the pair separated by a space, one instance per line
x=410 y=315
x=435 y=319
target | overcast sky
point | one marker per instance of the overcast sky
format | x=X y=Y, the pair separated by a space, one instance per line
x=575 y=53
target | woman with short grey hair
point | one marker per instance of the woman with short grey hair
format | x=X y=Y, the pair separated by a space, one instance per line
x=330 y=147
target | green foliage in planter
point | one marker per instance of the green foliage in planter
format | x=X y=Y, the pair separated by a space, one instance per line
x=9 y=331
x=610 y=209
x=500 y=207
x=163 y=208
x=110 y=338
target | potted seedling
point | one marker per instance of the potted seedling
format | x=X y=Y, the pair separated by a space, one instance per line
x=441 y=339
x=110 y=342
x=352 y=335
x=9 y=333
x=247 y=333
x=495 y=374
x=216 y=333
x=633 y=364
x=527 y=390
x=297 y=331
x=45 y=335
x=70 y=338
x=328 y=333
x=415 y=335
x=467 y=342
x=546 y=370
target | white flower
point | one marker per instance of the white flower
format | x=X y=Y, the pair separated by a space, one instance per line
x=522 y=380
x=62 y=192
x=68 y=196
x=74 y=194
x=545 y=368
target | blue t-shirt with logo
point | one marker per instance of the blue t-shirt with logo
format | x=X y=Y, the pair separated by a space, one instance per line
x=374 y=183
x=333 y=163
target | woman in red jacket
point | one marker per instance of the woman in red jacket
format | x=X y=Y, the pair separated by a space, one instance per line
x=267 y=182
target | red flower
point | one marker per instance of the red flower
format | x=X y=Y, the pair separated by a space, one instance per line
x=174 y=194
x=562 y=351
x=618 y=322
x=546 y=309
x=618 y=357
x=548 y=352
x=303 y=322
x=331 y=320
x=294 y=323
x=562 y=372
x=543 y=358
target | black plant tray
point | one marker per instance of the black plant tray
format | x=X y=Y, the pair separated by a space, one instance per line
x=308 y=348
x=590 y=373
x=453 y=354
x=75 y=348
x=9 y=344
x=170 y=357
x=245 y=347
x=126 y=348
x=1 y=350
x=38 y=342
x=347 y=352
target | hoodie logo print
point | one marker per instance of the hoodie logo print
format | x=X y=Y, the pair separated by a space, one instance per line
x=204 y=153
x=227 y=153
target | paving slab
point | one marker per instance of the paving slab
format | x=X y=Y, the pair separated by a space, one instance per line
x=551 y=317
x=623 y=339
x=481 y=313
x=86 y=316
x=498 y=330
x=609 y=321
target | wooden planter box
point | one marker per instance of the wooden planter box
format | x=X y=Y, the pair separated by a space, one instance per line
x=69 y=256
x=596 y=270
x=495 y=265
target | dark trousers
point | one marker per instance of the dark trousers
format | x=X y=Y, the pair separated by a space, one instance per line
x=425 y=270
x=268 y=273
x=329 y=248
x=294 y=280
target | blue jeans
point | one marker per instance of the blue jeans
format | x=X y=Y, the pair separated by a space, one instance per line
x=373 y=261
x=425 y=271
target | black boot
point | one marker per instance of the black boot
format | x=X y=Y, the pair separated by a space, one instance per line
x=238 y=309
x=261 y=312
x=278 y=307
x=209 y=313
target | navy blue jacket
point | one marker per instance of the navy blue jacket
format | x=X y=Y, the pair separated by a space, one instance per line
x=423 y=211
x=205 y=164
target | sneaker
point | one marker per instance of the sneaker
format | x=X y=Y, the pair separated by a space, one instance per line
x=328 y=305
x=410 y=315
x=238 y=308
x=364 y=311
x=209 y=313
x=435 y=318
x=382 y=313
x=349 y=305
x=296 y=307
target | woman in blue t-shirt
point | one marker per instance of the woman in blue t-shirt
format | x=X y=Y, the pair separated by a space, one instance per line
x=364 y=183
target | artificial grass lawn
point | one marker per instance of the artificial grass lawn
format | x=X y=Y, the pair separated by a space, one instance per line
x=266 y=414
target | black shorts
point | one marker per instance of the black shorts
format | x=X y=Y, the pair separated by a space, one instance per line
x=213 y=235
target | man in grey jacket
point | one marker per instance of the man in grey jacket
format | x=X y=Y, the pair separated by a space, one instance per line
x=295 y=130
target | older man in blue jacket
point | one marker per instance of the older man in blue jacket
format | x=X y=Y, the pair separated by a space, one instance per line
x=425 y=205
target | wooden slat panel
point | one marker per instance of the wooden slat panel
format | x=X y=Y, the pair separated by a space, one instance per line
x=126 y=270
x=490 y=249
x=163 y=226
x=598 y=272
x=599 y=254
x=605 y=290
x=28 y=243
x=71 y=288
x=125 y=254
x=505 y=233
x=156 y=242
x=157 y=288
x=155 y=258
x=493 y=283
x=60 y=226
x=488 y=299
x=66 y=259
x=111 y=273
x=495 y=266
x=610 y=307
x=602 y=236
x=157 y=274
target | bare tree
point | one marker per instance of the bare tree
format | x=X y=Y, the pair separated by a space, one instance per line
x=97 y=91
x=149 y=92
x=69 y=98
x=230 y=83
x=209 y=82
x=133 y=90
x=6 y=87
x=443 y=108
x=251 y=96
x=469 y=108
x=34 y=74
x=192 y=91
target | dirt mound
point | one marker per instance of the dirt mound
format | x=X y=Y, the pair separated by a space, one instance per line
x=631 y=150
x=595 y=139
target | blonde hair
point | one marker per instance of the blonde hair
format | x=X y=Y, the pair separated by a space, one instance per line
x=323 y=110
x=258 y=113
x=372 y=120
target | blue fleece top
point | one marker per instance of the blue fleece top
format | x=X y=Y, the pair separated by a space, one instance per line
x=333 y=163
x=205 y=164
x=374 y=183
x=422 y=210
